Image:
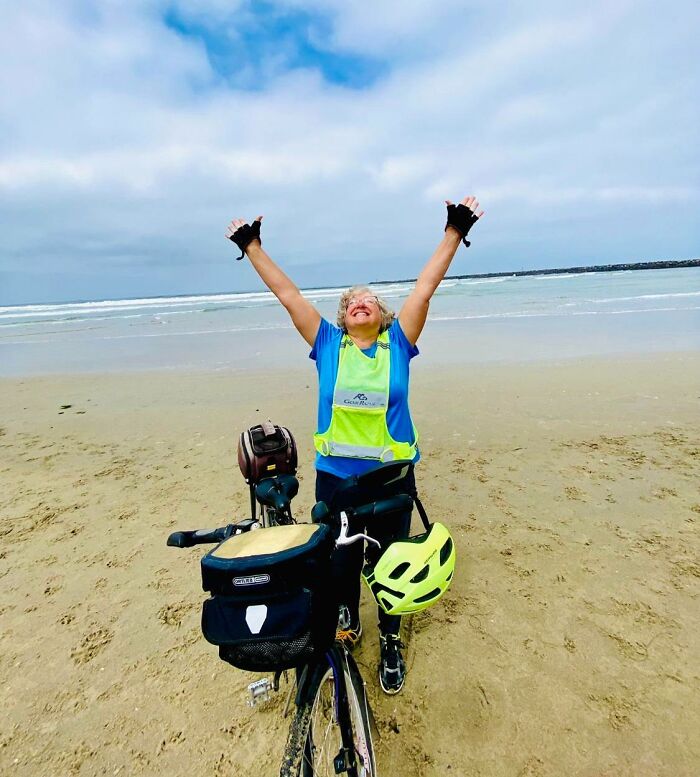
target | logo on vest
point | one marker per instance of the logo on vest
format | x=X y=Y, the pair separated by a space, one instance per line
x=359 y=400
x=370 y=399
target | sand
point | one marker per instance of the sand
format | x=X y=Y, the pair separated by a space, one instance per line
x=568 y=644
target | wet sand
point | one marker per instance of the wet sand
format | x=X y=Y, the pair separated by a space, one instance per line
x=568 y=644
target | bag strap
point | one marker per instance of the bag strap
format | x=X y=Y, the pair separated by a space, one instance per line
x=268 y=428
x=421 y=512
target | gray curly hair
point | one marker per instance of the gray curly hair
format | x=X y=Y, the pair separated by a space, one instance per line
x=388 y=315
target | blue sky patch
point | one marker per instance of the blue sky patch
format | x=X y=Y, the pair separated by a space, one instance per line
x=261 y=41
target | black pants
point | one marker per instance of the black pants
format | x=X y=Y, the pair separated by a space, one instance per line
x=348 y=560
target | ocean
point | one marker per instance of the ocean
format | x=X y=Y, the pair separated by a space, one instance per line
x=511 y=318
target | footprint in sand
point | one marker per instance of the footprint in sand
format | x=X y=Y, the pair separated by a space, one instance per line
x=118 y=469
x=533 y=767
x=223 y=766
x=115 y=689
x=162 y=579
x=682 y=570
x=66 y=701
x=91 y=644
x=174 y=739
x=663 y=493
x=173 y=614
x=457 y=465
x=122 y=562
x=574 y=493
x=53 y=586
x=620 y=710
x=633 y=651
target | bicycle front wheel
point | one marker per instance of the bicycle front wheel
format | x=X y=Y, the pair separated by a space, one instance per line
x=339 y=731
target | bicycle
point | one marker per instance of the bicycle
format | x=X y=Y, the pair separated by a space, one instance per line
x=333 y=730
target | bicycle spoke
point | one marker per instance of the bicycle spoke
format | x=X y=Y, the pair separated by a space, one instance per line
x=324 y=733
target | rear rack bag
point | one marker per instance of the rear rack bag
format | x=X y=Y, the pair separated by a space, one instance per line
x=266 y=450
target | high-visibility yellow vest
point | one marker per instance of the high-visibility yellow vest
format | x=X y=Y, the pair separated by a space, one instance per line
x=358 y=427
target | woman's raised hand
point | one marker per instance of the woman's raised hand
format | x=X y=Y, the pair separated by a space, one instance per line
x=462 y=217
x=470 y=202
x=242 y=233
x=236 y=224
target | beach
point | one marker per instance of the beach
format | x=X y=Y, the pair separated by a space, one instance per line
x=567 y=644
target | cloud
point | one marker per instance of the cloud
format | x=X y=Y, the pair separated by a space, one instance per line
x=137 y=130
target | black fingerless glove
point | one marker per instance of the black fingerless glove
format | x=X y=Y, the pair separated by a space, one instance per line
x=462 y=219
x=244 y=235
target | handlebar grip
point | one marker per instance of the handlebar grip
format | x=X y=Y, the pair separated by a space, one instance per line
x=181 y=539
x=393 y=504
x=187 y=539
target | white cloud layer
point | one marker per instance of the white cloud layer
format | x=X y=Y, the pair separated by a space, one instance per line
x=123 y=152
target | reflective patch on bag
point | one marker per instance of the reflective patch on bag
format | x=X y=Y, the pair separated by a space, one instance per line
x=370 y=399
x=255 y=617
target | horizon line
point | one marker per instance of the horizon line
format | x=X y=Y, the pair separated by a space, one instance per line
x=618 y=267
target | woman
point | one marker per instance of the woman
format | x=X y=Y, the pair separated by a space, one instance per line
x=363 y=414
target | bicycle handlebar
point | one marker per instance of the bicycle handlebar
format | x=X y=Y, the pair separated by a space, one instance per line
x=394 y=504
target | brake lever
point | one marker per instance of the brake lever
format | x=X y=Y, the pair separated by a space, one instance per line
x=343 y=538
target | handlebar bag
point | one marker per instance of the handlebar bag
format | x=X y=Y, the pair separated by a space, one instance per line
x=272 y=605
x=266 y=450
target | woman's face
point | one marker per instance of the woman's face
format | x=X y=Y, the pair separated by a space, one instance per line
x=363 y=312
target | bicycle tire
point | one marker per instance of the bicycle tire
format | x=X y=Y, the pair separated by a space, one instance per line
x=316 y=736
x=362 y=713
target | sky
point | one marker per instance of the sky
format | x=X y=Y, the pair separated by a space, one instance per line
x=132 y=132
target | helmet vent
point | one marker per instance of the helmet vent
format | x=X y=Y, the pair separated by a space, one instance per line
x=427 y=597
x=445 y=551
x=420 y=577
x=377 y=588
x=399 y=570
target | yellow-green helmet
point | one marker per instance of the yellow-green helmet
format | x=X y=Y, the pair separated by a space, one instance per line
x=414 y=573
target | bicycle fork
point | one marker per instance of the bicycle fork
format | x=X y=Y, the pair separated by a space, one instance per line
x=345 y=762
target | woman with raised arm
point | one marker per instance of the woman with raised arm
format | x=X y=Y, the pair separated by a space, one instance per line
x=363 y=415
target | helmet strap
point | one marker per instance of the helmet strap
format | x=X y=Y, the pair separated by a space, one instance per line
x=421 y=512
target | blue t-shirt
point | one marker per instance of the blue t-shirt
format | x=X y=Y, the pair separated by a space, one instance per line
x=325 y=353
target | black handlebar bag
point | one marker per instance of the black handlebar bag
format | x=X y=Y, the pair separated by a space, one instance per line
x=271 y=605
